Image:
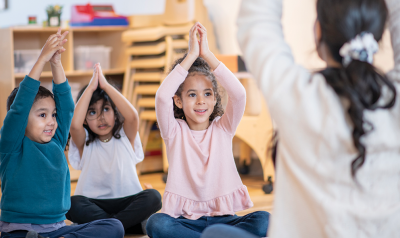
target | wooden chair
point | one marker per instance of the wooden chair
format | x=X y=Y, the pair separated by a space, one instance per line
x=255 y=129
x=149 y=57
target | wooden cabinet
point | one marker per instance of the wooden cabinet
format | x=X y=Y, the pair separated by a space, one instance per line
x=34 y=38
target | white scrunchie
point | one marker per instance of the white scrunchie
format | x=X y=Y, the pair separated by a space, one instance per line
x=362 y=48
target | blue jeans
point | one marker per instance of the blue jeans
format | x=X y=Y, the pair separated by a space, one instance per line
x=161 y=225
x=105 y=228
x=224 y=231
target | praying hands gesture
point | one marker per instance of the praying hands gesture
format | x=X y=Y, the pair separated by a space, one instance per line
x=198 y=47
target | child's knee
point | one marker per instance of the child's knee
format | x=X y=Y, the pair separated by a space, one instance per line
x=118 y=228
x=157 y=223
x=154 y=198
x=78 y=201
x=112 y=227
x=214 y=231
x=262 y=215
x=262 y=218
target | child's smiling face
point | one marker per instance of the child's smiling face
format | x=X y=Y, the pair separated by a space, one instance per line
x=197 y=101
x=101 y=120
x=42 y=123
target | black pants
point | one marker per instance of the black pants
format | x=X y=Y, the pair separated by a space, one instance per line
x=131 y=210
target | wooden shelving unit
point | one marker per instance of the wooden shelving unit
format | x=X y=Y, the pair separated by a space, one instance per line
x=23 y=38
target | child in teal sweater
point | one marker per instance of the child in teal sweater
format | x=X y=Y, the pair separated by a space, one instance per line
x=35 y=180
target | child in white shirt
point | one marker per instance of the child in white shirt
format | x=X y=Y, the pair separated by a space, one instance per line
x=105 y=145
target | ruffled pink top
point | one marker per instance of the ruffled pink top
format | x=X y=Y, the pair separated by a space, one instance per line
x=202 y=176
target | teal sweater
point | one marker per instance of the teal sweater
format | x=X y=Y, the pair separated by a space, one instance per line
x=35 y=180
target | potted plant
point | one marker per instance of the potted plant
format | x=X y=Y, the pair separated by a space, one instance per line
x=54 y=15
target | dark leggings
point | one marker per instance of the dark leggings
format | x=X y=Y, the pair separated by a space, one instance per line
x=131 y=210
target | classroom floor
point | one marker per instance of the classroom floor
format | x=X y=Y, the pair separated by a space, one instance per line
x=262 y=202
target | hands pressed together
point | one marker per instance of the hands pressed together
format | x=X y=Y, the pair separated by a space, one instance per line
x=198 y=44
x=98 y=79
x=198 y=47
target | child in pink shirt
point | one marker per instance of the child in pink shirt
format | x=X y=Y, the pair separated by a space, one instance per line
x=204 y=187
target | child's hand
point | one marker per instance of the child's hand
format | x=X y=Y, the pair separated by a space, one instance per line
x=56 y=59
x=94 y=82
x=204 y=49
x=194 y=48
x=102 y=80
x=53 y=44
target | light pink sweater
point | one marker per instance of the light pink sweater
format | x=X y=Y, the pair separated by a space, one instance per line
x=202 y=177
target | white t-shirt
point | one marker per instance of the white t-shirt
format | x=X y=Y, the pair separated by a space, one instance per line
x=108 y=168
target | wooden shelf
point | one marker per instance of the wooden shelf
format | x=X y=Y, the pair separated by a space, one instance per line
x=54 y=29
x=34 y=37
x=46 y=74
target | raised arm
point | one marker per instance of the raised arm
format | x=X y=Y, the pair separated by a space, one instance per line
x=267 y=55
x=77 y=130
x=236 y=92
x=131 y=123
x=62 y=92
x=236 y=99
x=394 y=27
x=16 y=120
x=55 y=62
x=65 y=111
x=165 y=104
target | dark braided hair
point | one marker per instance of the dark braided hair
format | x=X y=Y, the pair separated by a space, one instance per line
x=199 y=66
x=360 y=83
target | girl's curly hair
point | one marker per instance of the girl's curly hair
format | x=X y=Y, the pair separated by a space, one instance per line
x=199 y=66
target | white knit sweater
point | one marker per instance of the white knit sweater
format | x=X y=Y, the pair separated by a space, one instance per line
x=315 y=194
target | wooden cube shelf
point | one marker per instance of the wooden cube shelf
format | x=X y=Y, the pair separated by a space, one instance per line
x=26 y=38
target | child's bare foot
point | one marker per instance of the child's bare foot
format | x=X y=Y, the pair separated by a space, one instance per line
x=147 y=186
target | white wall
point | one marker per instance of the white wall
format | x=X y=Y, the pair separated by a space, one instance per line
x=298 y=21
x=19 y=10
